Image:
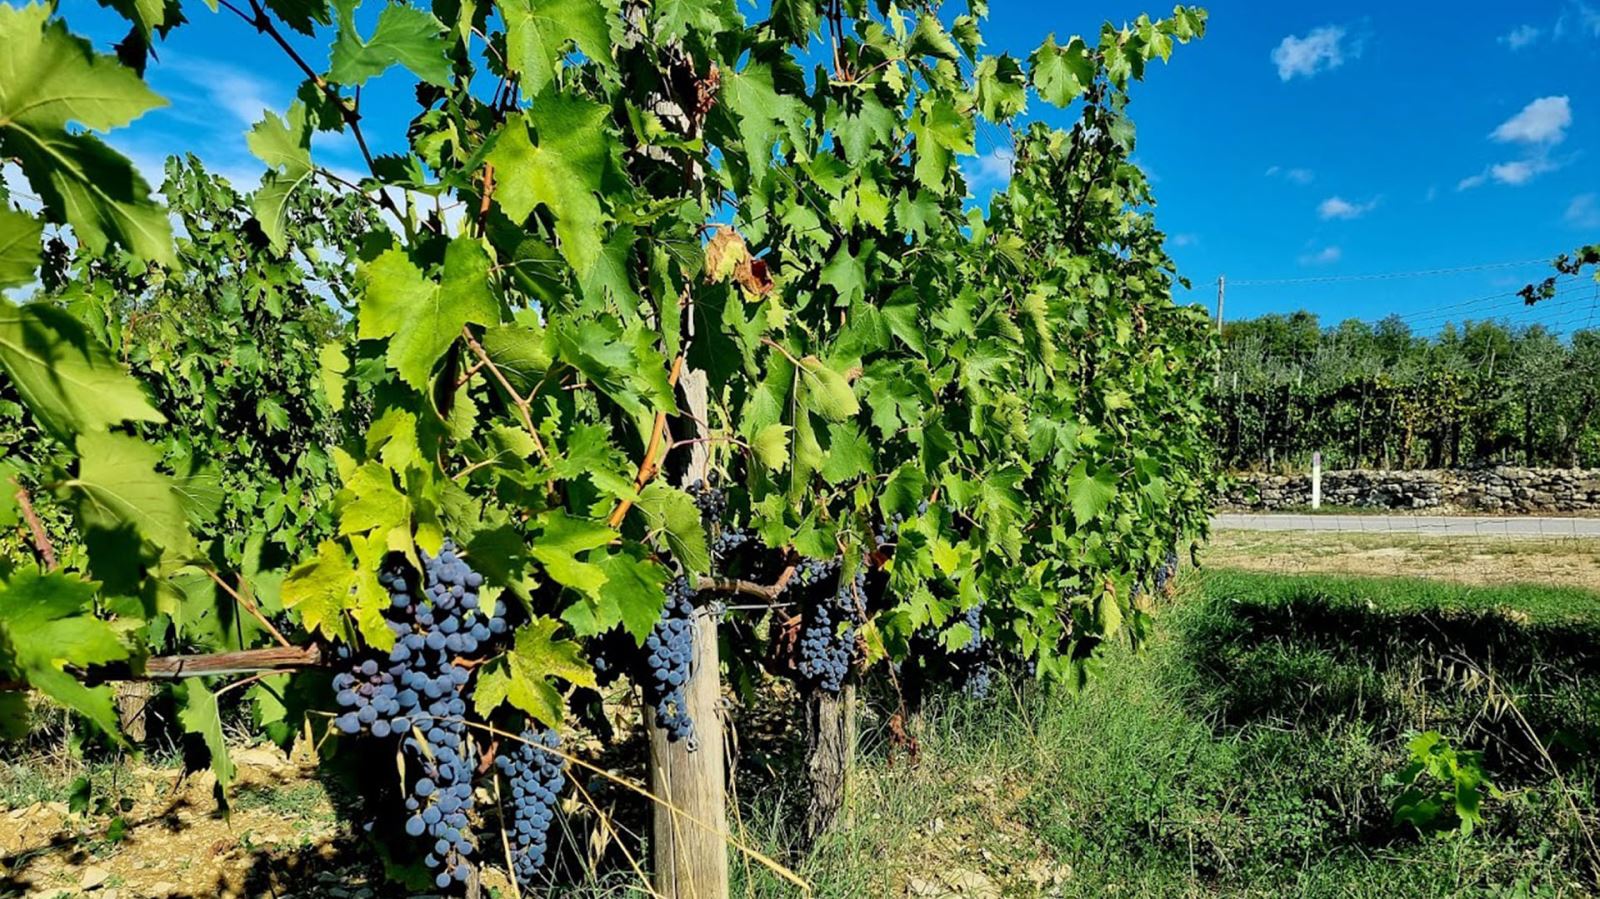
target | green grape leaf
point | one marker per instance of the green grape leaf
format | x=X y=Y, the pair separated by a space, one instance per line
x=1002 y=89
x=1061 y=74
x=828 y=391
x=794 y=20
x=1090 y=494
x=673 y=513
x=564 y=169
x=371 y=502
x=846 y=273
x=320 y=589
x=19 y=247
x=302 y=15
x=558 y=545
x=940 y=131
x=198 y=713
x=65 y=377
x=333 y=365
x=48 y=622
x=420 y=316
x=48 y=79
x=285 y=146
x=849 y=454
x=522 y=676
x=407 y=35
x=758 y=111
x=771 y=446
x=537 y=32
x=631 y=596
x=929 y=38
x=118 y=485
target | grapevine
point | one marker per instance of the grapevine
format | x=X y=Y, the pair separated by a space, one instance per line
x=914 y=403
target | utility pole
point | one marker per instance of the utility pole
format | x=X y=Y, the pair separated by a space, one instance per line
x=1222 y=281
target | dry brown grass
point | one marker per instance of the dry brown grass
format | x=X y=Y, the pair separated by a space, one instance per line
x=1563 y=561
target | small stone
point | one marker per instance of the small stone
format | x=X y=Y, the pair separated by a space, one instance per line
x=93 y=877
x=163 y=888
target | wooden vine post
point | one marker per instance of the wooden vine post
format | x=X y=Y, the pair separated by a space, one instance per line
x=830 y=755
x=689 y=847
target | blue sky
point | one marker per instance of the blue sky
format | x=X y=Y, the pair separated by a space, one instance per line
x=1303 y=145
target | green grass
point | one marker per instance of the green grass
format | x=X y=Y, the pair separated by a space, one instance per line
x=1244 y=753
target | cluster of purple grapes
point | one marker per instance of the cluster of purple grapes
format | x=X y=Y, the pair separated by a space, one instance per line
x=972 y=659
x=828 y=634
x=1168 y=569
x=419 y=694
x=669 y=651
x=536 y=778
x=712 y=501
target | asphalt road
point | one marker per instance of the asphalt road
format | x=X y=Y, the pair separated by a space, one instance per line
x=1434 y=525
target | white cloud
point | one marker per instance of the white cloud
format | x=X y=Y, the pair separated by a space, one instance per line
x=1583 y=211
x=1185 y=240
x=1544 y=121
x=992 y=168
x=1320 y=48
x=1521 y=171
x=1324 y=256
x=1520 y=36
x=1539 y=126
x=243 y=94
x=1515 y=173
x=1298 y=176
x=1340 y=208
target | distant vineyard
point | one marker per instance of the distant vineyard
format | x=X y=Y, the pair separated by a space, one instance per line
x=1382 y=397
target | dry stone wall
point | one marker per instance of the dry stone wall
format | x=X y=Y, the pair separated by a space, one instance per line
x=1515 y=490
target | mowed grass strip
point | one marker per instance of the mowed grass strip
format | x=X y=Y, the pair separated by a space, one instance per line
x=1554 y=561
x=1244 y=752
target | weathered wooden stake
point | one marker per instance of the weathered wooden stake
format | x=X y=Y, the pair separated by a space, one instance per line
x=132 y=699
x=1316 y=480
x=830 y=756
x=690 y=851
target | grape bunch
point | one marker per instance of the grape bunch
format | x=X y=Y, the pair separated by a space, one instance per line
x=712 y=501
x=1168 y=569
x=828 y=634
x=536 y=778
x=667 y=664
x=418 y=693
x=972 y=658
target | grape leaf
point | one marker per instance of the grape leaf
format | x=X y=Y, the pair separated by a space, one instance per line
x=673 y=512
x=198 y=713
x=285 y=146
x=522 y=676
x=19 y=247
x=1002 y=90
x=66 y=378
x=320 y=589
x=407 y=35
x=771 y=446
x=564 y=167
x=1090 y=494
x=48 y=79
x=420 y=316
x=829 y=393
x=47 y=623
x=118 y=485
x=1061 y=74
x=537 y=32
x=758 y=110
x=558 y=545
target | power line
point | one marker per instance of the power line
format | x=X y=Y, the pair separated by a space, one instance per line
x=1386 y=276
